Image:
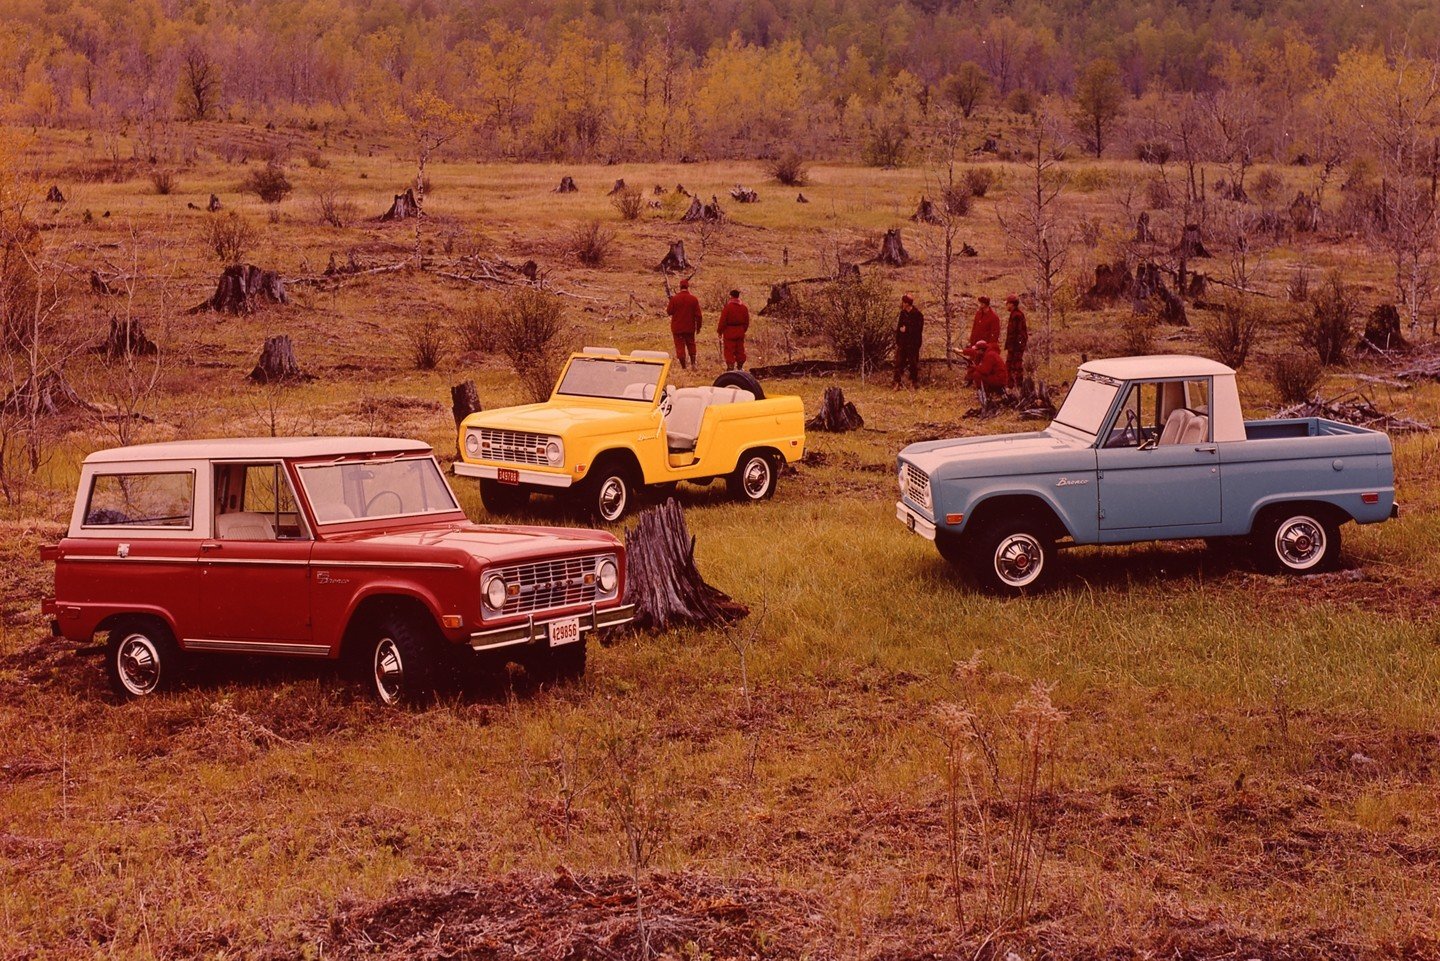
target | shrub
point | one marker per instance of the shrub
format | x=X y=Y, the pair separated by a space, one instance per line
x=1295 y=375
x=1330 y=327
x=856 y=317
x=1153 y=151
x=1231 y=334
x=528 y=326
x=1139 y=336
x=269 y=183
x=958 y=200
x=1090 y=179
x=979 y=180
x=164 y=181
x=316 y=160
x=1266 y=186
x=590 y=242
x=230 y=235
x=332 y=210
x=427 y=343
x=789 y=169
x=885 y=147
x=475 y=325
x=629 y=202
x=1020 y=101
x=1159 y=194
x=1298 y=290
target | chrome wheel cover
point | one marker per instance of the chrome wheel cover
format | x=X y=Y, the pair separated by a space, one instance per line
x=612 y=498
x=389 y=671
x=1300 y=542
x=1019 y=559
x=755 y=478
x=137 y=662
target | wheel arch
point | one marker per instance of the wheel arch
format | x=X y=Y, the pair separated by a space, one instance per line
x=379 y=603
x=1322 y=510
x=108 y=622
x=770 y=449
x=1030 y=506
x=626 y=456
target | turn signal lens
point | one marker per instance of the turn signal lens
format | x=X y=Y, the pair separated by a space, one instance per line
x=452 y=621
x=954 y=518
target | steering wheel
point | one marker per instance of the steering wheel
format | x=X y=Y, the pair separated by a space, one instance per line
x=399 y=503
x=665 y=402
x=1130 y=430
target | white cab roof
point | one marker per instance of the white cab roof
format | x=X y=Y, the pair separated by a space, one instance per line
x=1156 y=366
x=260 y=448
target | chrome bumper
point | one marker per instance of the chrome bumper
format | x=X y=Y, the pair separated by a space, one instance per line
x=535 y=477
x=538 y=631
x=914 y=521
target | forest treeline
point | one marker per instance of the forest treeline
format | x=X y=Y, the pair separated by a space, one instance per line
x=665 y=79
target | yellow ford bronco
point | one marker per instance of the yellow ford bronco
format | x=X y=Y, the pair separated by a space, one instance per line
x=613 y=425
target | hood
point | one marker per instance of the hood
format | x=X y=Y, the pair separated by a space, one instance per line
x=987 y=456
x=489 y=544
x=561 y=417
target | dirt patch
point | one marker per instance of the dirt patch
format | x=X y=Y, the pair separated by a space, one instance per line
x=580 y=917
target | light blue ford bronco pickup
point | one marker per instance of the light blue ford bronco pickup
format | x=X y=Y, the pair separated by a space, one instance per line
x=1145 y=449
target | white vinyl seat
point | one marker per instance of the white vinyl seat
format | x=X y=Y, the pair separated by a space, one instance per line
x=640 y=391
x=329 y=511
x=244 y=526
x=687 y=412
x=1197 y=430
x=1175 y=426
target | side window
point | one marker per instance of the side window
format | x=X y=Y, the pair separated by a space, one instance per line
x=1139 y=419
x=141 y=500
x=255 y=502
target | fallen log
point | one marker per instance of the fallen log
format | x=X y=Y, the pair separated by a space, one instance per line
x=663 y=582
x=1355 y=407
x=836 y=415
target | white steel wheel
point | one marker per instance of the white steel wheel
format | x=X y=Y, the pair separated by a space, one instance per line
x=754 y=479
x=138 y=665
x=141 y=658
x=1301 y=543
x=612 y=497
x=1019 y=560
x=388 y=672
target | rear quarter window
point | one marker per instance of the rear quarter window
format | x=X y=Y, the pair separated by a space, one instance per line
x=165 y=500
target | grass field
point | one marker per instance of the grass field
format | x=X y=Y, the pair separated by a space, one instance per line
x=1242 y=765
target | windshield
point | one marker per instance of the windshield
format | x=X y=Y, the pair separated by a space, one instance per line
x=1088 y=402
x=404 y=487
x=613 y=379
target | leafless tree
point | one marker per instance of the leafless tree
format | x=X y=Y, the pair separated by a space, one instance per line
x=949 y=214
x=200 y=83
x=132 y=376
x=1032 y=222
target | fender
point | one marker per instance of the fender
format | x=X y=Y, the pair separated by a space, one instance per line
x=378 y=588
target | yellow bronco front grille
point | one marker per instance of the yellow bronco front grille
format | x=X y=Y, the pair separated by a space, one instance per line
x=513 y=446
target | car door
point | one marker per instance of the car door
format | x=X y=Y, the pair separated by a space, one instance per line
x=255 y=568
x=1149 y=481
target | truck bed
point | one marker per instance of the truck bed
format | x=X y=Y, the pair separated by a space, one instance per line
x=1299 y=427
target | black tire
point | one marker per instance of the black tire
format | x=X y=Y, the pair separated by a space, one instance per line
x=1296 y=541
x=1011 y=557
x=557 y=665
x=953 y=550
x=608 y=494
x=401 y=659
x=755 y=477
x=142 y=658
x=742 y=379
x=502 y=499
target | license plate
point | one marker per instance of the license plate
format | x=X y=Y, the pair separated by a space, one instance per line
x=507 y=475
x=565 y=632
x=910 y=520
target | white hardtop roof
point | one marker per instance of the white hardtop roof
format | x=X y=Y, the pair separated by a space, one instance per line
x=260 y=448
x=1155 y=366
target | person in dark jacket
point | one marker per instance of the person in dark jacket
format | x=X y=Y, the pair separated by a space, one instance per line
x=1017 y=336
x=734 y=322
x=986 y=325
x=909 y=329
x=989 y=370
x=684 y=311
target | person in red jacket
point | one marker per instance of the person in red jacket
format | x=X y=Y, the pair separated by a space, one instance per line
x=986 y=325
x=1017 y=336
x=989 y=371
x=684 y=311
x=734 y=322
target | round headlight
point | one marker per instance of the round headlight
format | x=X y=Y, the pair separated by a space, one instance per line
x=472 y=443
x=553 y=452
x=495 y=593
x=608 y=576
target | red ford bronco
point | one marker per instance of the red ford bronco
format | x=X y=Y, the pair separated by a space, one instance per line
x=317 y=547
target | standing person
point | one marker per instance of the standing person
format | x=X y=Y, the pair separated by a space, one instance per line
x=986 y=325
x=988 y=371
x=1017 y=335
x=734 y=322
x=909 y=329
x=684 y=311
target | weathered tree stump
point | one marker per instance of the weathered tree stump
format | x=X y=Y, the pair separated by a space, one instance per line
x=464 y=401
x=967 y=251
x=836 y=415
x=243 y=288
x=782 y=301
x=892 y=250
x=1304 y=213
x=1199 y=283
x=1142 y=229
x=663 y=582
x=801 y=199
x=659 y=191
x=403 y=207
x=1382 y=330
x=674 y=261
x=1190 y=246
x=277 y=364
x=703 y=212
x=54 y=196
x=126 y=338
x=925 y=213
x=680 y=189
x=743 y=195
x=1150 y=286
x=46 y=395
x=845 y=271
x=100 y=285
x=567 y=186
x=1111 y=283
x=214 y=204
x=618 y=188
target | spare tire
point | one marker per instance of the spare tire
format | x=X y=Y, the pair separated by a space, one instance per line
x=742 y=379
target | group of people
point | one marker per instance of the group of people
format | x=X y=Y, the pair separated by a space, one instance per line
x=686 y=322
x=987 y=368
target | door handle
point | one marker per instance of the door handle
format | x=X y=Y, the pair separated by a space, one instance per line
x=1205 y=450
x=211 y=545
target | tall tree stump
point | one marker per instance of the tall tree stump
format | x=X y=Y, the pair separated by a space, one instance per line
x=618 y=188
x=277 y=364
x=1111 y=283
x=703 y=212
x=1190 y=246
x=1153 y=295
x=403 y=207
x=663 y=582
x=674 y=261
x=801 y=199
x=680 y=189
x=54 y=196
x=925 y=212
x=127 y=339
x=464 y=401
x=243 y=288
x=781 y=302
x=892 y=249
x=836 y=415
x=214 y=204
x=567 y=185
x=1142 y=229
x=1382 y=330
